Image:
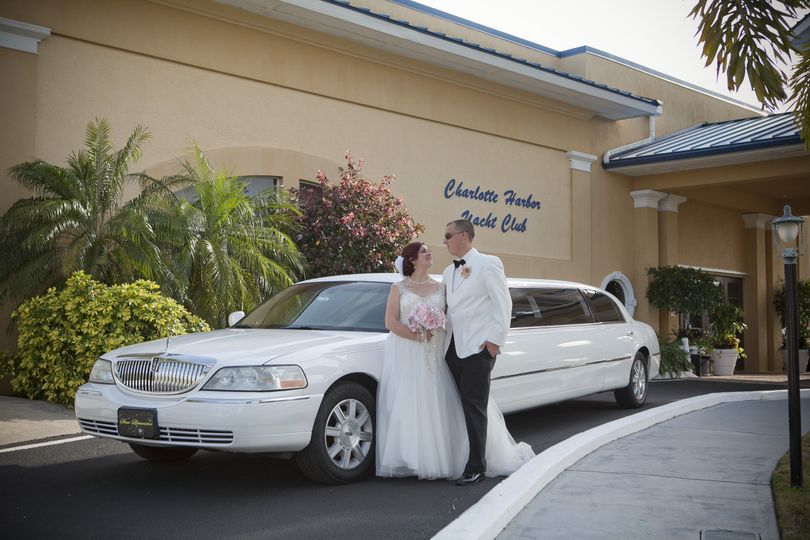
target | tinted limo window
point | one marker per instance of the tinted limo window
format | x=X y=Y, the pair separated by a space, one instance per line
x=604 y=309
x=548 y=307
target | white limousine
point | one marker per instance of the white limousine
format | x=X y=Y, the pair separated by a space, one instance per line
x=297 y=377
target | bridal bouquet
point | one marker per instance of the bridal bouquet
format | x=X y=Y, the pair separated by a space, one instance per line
x=423 y=319
x=426 y=318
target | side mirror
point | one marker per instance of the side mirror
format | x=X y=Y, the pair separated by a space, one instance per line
x=235 y=317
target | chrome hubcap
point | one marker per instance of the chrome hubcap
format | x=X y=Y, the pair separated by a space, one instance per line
x=348 y=434
x=638 y=380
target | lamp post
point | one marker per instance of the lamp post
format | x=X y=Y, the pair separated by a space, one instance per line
x=789 y=230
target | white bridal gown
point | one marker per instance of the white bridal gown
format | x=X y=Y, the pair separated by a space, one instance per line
x=420 y=423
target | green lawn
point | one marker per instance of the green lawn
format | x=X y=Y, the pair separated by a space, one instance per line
x=793 y=505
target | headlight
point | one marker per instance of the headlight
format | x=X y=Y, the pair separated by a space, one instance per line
x=257 y=379
x=102 y=372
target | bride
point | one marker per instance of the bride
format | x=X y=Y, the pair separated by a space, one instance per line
x=420 y=424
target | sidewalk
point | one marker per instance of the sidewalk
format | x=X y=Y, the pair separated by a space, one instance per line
x=24 y=420
x=696 y=469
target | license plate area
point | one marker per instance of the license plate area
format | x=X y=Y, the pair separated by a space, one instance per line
x=138 y=423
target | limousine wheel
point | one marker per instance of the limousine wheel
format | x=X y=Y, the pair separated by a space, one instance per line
x=163 y=454
x=634 y=394
x=342 y=446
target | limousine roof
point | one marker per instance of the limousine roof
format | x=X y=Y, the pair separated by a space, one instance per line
x=394 y=277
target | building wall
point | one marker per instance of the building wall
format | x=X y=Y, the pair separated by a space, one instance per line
x=711 y=237
x=264 y=97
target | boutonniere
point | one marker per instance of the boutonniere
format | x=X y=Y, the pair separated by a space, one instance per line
x=466 y=271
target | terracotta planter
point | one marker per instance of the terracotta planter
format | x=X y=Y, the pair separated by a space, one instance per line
x=724 y=360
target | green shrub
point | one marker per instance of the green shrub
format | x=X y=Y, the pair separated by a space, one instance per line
x=63 y=332
x=683 y=291
x=674 y=360
x=803 y=307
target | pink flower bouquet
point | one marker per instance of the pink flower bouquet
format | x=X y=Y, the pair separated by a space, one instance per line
x=426 y=318
x=423 y=319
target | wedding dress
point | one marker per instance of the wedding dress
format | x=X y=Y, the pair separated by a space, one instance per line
x=420 y=424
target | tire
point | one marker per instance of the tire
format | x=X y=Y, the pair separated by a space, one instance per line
x=342 y=446
x=634 y=395
x=163 y=454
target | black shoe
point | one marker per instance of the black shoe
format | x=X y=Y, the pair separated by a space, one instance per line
x=468 y=479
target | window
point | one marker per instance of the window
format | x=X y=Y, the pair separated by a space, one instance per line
x=604 y=310
x=548 y=307
x=617 y=284
x=309 y=188
x=255 y=184
x=324 y=306
x=614 y=287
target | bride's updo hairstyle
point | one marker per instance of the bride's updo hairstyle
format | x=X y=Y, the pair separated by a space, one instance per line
x=409 y=254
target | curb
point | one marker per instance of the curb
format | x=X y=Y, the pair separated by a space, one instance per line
x=494 y=511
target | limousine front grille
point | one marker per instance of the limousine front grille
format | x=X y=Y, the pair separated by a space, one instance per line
x=99 y=426
x=160 y=375
x=167 y=434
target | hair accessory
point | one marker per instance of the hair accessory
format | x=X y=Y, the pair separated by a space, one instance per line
x=398 y=264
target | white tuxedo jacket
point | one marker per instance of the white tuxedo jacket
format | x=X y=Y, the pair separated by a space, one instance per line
x=479 y=307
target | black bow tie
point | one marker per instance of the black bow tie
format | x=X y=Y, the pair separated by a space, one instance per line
x=459 y=262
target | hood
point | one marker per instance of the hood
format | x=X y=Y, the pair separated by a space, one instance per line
x=240 y=345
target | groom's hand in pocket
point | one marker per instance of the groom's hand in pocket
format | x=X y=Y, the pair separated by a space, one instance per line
x=492 y=349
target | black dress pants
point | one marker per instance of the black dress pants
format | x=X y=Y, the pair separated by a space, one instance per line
x=471 y=375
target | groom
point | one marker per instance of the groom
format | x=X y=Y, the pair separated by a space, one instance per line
x=479 y=309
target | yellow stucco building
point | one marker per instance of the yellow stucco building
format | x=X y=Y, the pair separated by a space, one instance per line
x=551 y=153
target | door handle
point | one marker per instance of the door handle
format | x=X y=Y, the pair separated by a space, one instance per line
x=630 y=333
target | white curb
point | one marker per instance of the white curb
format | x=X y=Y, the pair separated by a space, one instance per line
x=492 y=513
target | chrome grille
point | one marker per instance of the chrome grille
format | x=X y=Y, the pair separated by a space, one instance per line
x=160 y=375
x=201 y=436
x=98 y=426
x=167 y=434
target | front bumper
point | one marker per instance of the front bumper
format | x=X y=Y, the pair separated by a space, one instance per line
x=234 y=422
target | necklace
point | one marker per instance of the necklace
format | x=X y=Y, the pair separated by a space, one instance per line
x=419 y=282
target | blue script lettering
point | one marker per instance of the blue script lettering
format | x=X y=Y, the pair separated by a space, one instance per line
x=511 y=198
x=511 y=224
x=453 y=190
x=489 y=222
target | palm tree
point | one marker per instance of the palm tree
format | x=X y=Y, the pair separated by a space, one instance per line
x=78 y=220
x=230 y=251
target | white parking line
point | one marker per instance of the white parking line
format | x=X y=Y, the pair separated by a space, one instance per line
x=49 y=443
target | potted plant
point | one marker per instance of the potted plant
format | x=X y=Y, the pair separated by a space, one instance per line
x=726 y=324
x=674 y=360
x=683 y=291
x=702 y=360
x=803 y=287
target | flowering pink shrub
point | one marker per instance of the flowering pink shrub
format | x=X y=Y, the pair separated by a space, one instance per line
x=352 y=226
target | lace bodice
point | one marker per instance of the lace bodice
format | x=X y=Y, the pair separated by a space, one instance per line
x=409 y=299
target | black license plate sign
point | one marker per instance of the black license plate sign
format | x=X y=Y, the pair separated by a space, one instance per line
x=139 y=423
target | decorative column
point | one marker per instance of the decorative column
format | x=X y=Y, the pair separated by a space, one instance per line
x=668 y=248
x=774 y=271
x=755 y=291
x=645 y=224
x=581 y=235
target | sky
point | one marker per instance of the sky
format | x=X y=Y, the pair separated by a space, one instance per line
x=656 y=34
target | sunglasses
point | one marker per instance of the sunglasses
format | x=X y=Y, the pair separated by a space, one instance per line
x=449 y=235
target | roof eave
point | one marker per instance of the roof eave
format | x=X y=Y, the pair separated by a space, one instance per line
x=705 y=159
x=358 y=25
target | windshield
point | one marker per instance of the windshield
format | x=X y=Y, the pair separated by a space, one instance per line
x=324 y=306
